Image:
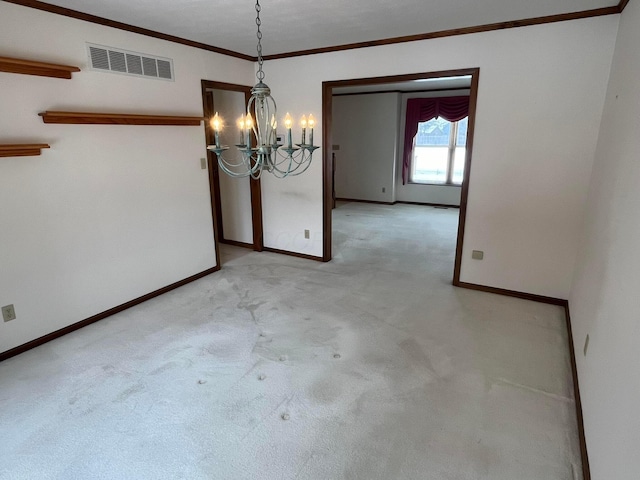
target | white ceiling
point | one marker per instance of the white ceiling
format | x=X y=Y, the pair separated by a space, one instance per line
x=294 y=25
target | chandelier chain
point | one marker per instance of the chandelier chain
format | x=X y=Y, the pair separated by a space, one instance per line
x=260 y=74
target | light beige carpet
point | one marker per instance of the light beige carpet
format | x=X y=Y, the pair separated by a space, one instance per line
x=371 y=366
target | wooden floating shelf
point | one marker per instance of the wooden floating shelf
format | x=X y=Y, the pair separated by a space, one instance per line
x=22 y=150
x=28 y=67
x=117 y=119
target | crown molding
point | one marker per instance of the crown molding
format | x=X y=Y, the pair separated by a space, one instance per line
x=598 y=12
x=67 y=12
x=616 y=9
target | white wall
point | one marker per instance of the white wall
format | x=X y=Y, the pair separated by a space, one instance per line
x=365 y=127
x=604 y=298
x=540 y=99
x=109 y=213
x=235 y=193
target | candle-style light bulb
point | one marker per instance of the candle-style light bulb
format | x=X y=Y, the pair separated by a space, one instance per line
x=216 y=124
x=241 y=127
x=274 y=127
x=248 y=125
x=303 y=124
x=288 y=122
x=312 y=123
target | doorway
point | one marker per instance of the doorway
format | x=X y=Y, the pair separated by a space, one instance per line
x=236 y=203
x=328 y=157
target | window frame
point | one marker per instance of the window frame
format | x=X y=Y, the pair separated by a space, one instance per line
x=453 y=140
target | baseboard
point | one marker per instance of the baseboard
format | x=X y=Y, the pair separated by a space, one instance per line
x=293 y=254
x=375 y=202
x=237 y=244
x=512 y=293
x=363 y=201
x=586 y=471
x=428 y=204
x=100 y=316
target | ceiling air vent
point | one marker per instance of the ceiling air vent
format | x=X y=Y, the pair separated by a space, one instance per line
x=116 y=60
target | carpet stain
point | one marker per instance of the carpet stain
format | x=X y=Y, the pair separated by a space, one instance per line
x=126 y=394
x=166 y=367
x=416 y=356
x=251 y=307
x=326 y=391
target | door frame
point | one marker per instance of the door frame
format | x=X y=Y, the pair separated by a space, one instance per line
x=214 y=172
x=327 y=169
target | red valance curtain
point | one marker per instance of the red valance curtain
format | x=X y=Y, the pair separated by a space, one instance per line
x=423 y=110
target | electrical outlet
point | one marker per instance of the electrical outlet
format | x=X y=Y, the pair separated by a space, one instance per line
x=477 y=254
x=203 y=163
x=384 y=189
x=8 y=313
x=586 y=345
x=306 y=234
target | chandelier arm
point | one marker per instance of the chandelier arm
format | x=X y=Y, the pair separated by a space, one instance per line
x=286 y=153
x=250 y=165
x=284 y=173
x=241 y=163
x=276 y=172
x=293 y=158
x=232 y=173
x=295 y=171
x=253 y=164
x=256 y=175
x=292 y=161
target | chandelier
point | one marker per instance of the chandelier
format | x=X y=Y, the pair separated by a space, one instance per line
x=269 y=153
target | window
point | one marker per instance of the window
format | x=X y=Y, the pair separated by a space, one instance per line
x=439 y=152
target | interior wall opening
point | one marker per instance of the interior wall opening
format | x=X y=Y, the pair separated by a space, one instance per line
x=235 y=202
x=368 y=159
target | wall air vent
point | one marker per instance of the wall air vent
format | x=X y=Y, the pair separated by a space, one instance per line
x=116 y=60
